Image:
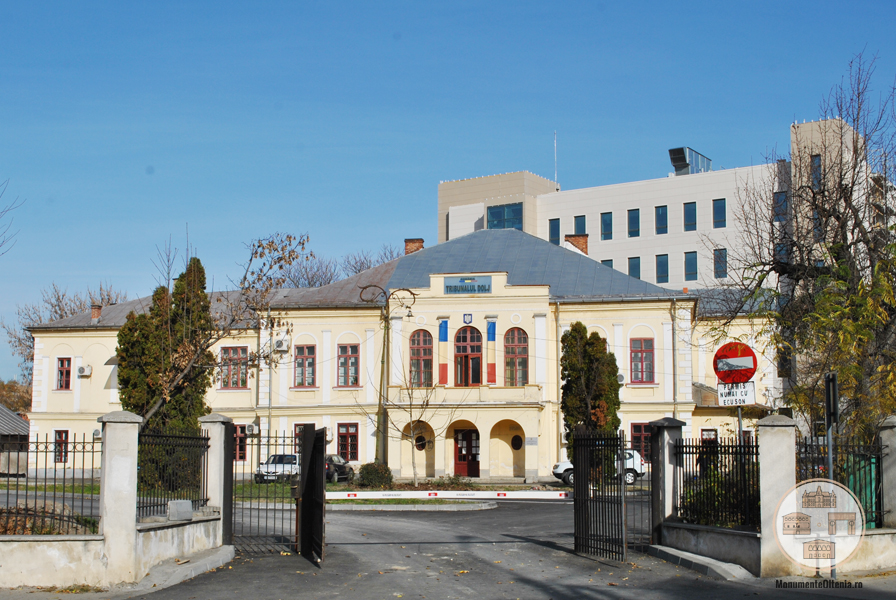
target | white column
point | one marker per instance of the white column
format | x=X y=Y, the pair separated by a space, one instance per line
x=777 y=457
x=398 y=377
x=113 y=388
x=118 y=495
x=216 y=463
x=283 y=383
x=541 y=349
x=668 y=379
x=370 y=366
x=76 y=385
x=622 y=362
x=326 y=366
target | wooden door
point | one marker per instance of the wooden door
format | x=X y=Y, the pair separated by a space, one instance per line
x=466 y=453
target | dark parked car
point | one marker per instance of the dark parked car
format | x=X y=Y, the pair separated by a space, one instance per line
x=339 y=469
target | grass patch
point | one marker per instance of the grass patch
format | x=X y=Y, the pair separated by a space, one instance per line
x=70 y=488
x=73 y=589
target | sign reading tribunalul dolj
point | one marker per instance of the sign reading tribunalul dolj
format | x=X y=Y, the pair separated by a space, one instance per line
x=481 y=284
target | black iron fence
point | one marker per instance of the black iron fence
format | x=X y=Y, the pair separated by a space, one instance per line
x=718 y=483
x=599 y=499
x=856 y=465
x=171 y=465
x=50 y=487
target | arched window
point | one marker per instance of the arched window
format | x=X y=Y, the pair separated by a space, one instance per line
x=468 y=357
x=421 y=359
x=516 y=358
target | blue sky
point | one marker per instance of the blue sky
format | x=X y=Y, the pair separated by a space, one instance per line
x=126 y=123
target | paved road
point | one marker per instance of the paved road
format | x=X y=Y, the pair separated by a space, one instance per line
x=519 y=550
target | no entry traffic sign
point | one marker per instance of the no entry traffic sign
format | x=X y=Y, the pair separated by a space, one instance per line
x=735 y=362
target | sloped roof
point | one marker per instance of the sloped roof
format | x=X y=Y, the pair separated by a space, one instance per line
x=341 y=294
x=113 y=316
x=527 y=260
x=11 y=423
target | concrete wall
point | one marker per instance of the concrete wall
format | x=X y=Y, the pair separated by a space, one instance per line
x=157 y=542
x=727 y=545
x=45 y=560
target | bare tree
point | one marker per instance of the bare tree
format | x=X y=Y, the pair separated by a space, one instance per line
x=313 y=271
x=7 y=237
x=356 y=262
x=815 y=266
x=56 y=303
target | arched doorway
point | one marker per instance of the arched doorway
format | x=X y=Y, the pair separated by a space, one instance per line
x=421 y=451
x=507 y=450
x=466 y=449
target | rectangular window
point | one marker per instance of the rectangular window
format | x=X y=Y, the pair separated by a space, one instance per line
x=235 y=368
x=347 y=443
x=634 y=267
x=719 y=217
x=60 y=445
x=580 y=225
x=642 y=360
x=607 y=263
x=554 y=231
x=63 y=374
x=348 y=365
x=304 y=366
x=782 y=253
x=690 y=266
x=709 y=434
x=690 y=216
x=720 y=263
x=239 y=442
x=606 y=226
x=662 y=268
x=634 y=222
x=815 y=172
x=779 y=207
x=641 y=438
x=506 y=216
x=817 y=226
x=661 y=216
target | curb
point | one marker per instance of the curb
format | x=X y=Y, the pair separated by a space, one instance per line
x=414 y=507
x=701 y=564
x=168 y=573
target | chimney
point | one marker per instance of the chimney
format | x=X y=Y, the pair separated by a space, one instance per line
x=412 y=245
x=96 y=310
x=580 y=241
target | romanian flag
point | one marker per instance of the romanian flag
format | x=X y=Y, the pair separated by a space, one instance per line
x=443 y=352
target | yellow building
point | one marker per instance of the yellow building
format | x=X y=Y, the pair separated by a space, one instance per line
x=470 y=354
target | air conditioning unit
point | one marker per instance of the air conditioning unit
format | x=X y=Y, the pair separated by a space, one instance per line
x=281 y=344
x=85 y=371
x=251 y=429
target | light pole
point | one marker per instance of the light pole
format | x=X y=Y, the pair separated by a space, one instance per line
x=373 y=294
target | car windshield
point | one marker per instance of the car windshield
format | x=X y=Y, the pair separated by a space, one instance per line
x=281 y=459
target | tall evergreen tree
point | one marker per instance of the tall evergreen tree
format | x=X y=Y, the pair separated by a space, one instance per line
x=590 y=392
x=156 y=348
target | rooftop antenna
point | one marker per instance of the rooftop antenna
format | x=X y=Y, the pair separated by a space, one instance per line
x=555 y=160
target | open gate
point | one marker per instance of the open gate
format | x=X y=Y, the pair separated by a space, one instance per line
x=612 y=499
x=276 y=492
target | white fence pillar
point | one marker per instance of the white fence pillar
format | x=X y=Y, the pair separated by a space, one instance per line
x=777 y=474
x=215 y=424
x=662 y=472
x=888 y=471
x=118 y=495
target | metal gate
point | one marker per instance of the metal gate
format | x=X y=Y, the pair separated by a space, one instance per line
x=277 y=492
x=612 y=499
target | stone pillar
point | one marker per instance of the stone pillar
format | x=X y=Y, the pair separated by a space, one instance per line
x=777 y=474
x=662 y=472
x=118 y=495
x=888 y=471
x=217 y=462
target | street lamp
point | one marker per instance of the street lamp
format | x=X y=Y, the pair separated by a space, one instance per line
x=374 y=294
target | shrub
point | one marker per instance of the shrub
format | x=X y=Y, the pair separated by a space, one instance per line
x=454 y=482
x=376 y=475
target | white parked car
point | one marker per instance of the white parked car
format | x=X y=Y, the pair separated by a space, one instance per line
x=278 y=467
x=634 y=469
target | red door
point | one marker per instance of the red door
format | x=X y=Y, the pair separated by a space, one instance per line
x=466 y=453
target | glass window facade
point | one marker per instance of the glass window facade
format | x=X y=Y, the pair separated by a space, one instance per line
x=662 y=268
x=719 y=216
x=720 y=263
x=606 y=226
x=690 y=266
x=690 y=216
x=779 y=207
x=661 y=216
x=634 y=267
x=634 y=223
x=815 y=172
x=607 y=263
x=554 y=231
x=580 y=225
x=506 y=216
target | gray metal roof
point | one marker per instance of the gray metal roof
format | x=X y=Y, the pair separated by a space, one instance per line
x=113 y=316
x=527 y=260
x=11 y=423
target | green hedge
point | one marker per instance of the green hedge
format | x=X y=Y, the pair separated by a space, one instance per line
x=376 y=475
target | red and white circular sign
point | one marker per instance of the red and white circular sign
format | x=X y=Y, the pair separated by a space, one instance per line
x=735 y=362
